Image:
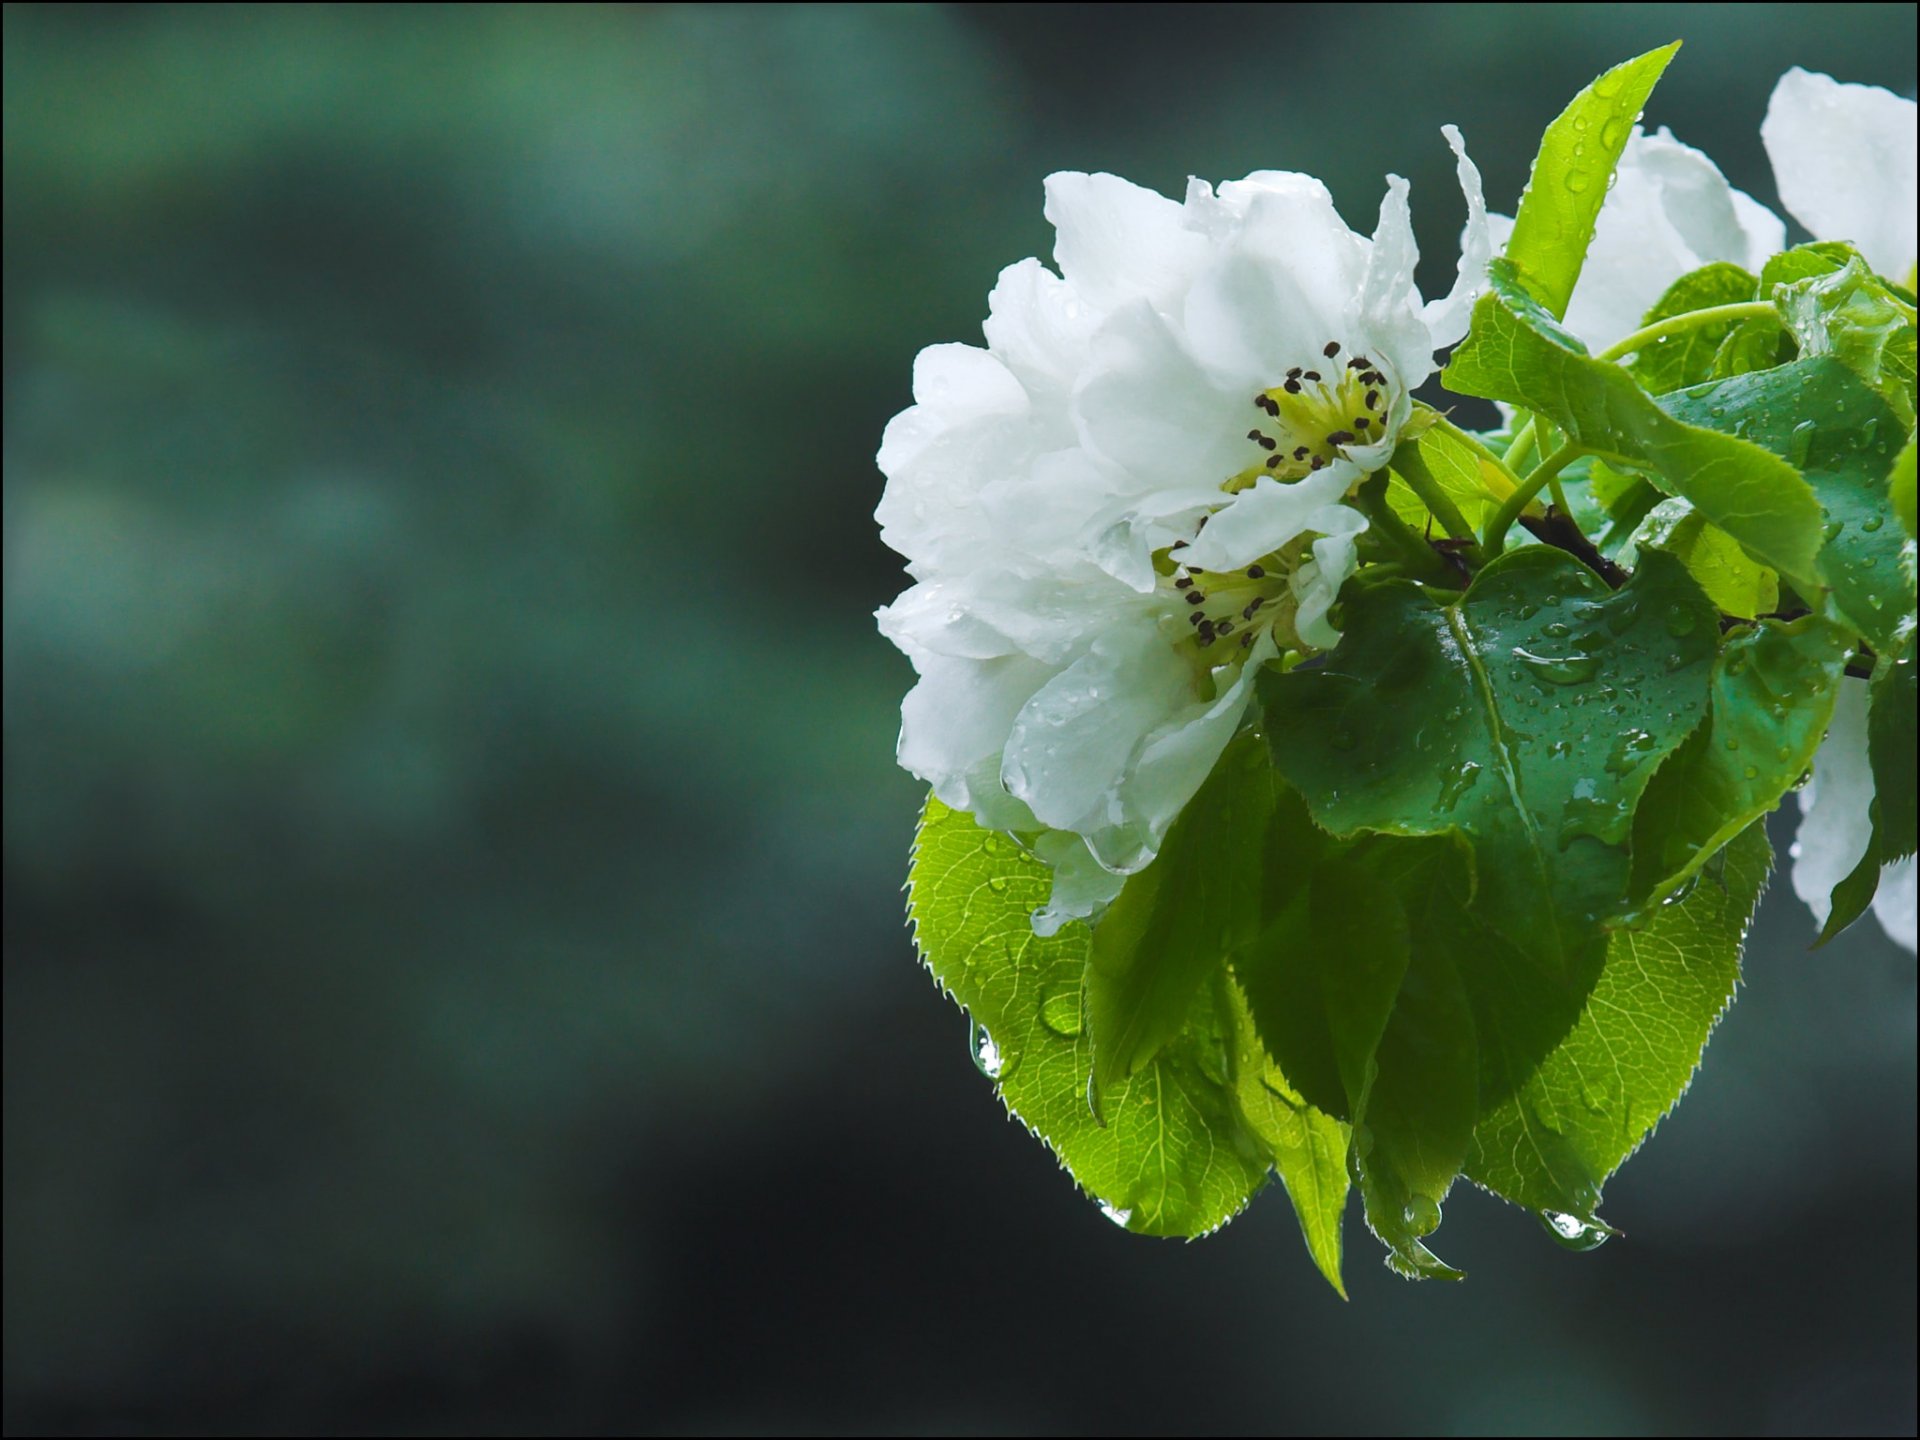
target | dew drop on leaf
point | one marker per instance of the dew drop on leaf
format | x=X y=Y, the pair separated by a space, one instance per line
x=1799 y=443
x=1060 y=1011
x=986 y=1054
x=1422 y=1215
x=1573 y=1233
x=1680 y=621
x=1113 y=1212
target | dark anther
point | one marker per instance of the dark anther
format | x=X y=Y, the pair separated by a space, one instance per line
x=1361 y=422
x=1267 y=442
x=1178 y=545
x=1194 y=597
x=1253 y=434
x=1294 y=373
x=1183 y=582
x=1373 y=398
x=1373 y=377
x=1246 y=640
x=1300 y=452
x=1292 y=387
x=1196 y=618
x=1340 y=437
x=1359 y=362
x=1256 y=572
x=1225 y=627
x=1332 y=349
x=1313 y=375
x=1273 y=462
x=1253 y=605
x=1318 y=463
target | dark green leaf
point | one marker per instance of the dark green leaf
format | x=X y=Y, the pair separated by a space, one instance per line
x=1773 y=693
x=1486 y=718
x=1761 y=342
x=1517 y=353
x=1552 y=1144
x=1571 y=175
x=1175 y=923
x=1818 y=415
x=1172 y=1158
x=1687 y=358
x=1900 y=487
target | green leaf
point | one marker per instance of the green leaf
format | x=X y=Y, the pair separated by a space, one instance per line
x=1458 y=469
x=1761 y=342
x=1485 y=718
x=1773 y=693
x=1172 y=1158
x=1309 y=1146
x=1855 y=316
x=1891 y=744
x=1516 y=352
x=1687 y=358
x=1571 y=175
x=1900 y=488
x=1175 y=922
x=1818 y=415
x=1735 y=582
x=1552 y=1145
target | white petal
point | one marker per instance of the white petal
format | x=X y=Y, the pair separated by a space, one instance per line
x=954 y=723
x=1174 y=763
x=1039 y=327
x=1073 y=743
x=1316 y=584
x=1116 y=241
x=1843 y=157
x=1267 y=515
x=1145 y=406
x=1893 y=903
x=1835 y=827
x=1447 y=317
x=958 y=383
x=1082 y=886
x=1389 y=309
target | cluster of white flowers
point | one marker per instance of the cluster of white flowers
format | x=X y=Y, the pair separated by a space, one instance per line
x=1131 y=498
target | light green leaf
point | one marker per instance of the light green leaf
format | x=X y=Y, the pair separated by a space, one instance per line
x=1552 y=1145
x=1687 y=358
x=1900 y=487
x=1735 y=582
x=1818 y=415
x=1486 y=719
x=1773 y=692
x=1761 y=342
x=1855 y=316
x=1309 y=1146
x=1571 y=174
x=1175 y=922
x=1517 y=353
x=1172 y=1158
x=1458 y=469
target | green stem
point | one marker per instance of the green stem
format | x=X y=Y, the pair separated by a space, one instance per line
x=1420 y=558
x=1559 y=495
x=1691 y=320
x=1413 y=472
x=1541 y=476
x=1522 y=443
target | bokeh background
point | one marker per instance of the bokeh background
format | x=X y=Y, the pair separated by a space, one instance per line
x=455 y=976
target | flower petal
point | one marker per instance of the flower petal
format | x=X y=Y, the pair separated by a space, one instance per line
x=1835 y=825
x=954 y=723
x=1145 y=406
x=1117 y=241
x=1447 y=317
x=1843 y=158
x=1266 y=516
x=1893 y=903
x=1082 y=886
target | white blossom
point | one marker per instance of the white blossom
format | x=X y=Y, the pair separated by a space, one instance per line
x=1836 y=825
x=1130 y=499
x=1843 y=159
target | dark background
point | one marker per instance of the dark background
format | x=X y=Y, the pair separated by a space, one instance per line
x=455 y=972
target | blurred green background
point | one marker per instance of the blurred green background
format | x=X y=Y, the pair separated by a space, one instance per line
x=455 y=976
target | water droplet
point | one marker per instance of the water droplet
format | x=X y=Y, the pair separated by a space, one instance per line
x=1621 y=617
x=1559 y=669
x=1737 y=661
x=1556 y=630
x=1685 y=888
x=1629 y=750
x=1558 y=749
x=1579 y=182
x=1799 y=443
x=1113 y=1212
x=1589 y=814
x=1574 y=1233
x=1455 y=782
x=1680 y=620
x=997 y=884
x=1732 y=743
x=1872 y=523
x=986 y=1054
x=1421 y=1215
x=1060 y=1011
x=1831 y=529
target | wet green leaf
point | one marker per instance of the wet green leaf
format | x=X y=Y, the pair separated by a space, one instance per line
x=1820 y=417
x=1735 y=582
x=1518 y=353
x=1571 y=175
x=1773 y=693
x=1687 y=358
x=1552 y=1144
x=1527 y=718
x=1855 y=316
x=1172 y=1158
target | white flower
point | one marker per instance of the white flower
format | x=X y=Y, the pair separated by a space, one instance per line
x=1835 y=824
x=1843 y=161
x=1130 y=499
x=1670 y=211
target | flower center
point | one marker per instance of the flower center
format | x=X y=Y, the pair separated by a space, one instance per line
x=1315 y=413
x=1228 y=609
